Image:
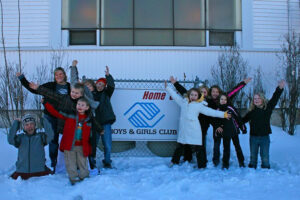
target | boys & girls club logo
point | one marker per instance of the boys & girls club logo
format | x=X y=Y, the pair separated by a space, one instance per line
x=144 y=115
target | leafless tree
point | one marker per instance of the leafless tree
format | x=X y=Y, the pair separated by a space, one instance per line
x=257 y=85
x=42 y=75
x=21 y=100
x=12 y=98
x=290 y=66
x=59 y=58
x=230 y=70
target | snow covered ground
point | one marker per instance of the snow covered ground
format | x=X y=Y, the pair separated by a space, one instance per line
x=151 y=178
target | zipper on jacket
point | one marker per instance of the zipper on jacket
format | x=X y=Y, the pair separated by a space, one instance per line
x=29 y=155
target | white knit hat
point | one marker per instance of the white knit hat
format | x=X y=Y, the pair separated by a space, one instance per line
x=28 y=118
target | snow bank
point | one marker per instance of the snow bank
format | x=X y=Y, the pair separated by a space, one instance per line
x=151 y=178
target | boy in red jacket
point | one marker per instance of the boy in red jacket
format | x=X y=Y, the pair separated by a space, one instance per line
x=75 y=140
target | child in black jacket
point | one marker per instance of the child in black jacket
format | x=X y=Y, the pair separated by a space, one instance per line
x=259 y=116
x=229 y=130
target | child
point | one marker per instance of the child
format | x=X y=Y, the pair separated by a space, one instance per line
x=259 y=116
x=212 y=100
x=90 y=84
x=75 y=140
x=59 y=86
x=104 y=113
x=30 y=144
x=189 y=126
x=229 y=130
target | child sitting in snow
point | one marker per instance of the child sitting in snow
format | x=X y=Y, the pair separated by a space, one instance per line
x=259 y=116
x=229 y=130
x=30 y=144
x=75 y=142
x=189 y=126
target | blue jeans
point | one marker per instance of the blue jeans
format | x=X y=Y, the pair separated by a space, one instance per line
x=53 y=145
x=261 y=143
x=106 y=141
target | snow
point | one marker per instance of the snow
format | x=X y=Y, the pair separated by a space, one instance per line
x=151 y=178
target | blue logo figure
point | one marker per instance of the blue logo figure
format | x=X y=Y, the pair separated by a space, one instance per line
x=144 y=115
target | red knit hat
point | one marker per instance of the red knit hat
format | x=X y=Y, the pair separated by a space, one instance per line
x=103 y=80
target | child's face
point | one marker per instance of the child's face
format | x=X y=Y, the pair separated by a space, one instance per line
x=193 y=96
x=29 y=127
x=82 y=107
x=257 y=101
x=89 y=86
x=204 y=92
x=215 y=93
x=76 y=93
x=223 y=100
x=59 y=77
x=100 y=86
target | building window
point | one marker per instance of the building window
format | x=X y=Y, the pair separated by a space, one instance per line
x=221 y=38
x=224 y=15
x=78 y=14
x=82 y=37
x=150 y=22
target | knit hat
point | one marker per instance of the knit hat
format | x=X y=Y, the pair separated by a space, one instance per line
x=103 y=80
x=28 y=118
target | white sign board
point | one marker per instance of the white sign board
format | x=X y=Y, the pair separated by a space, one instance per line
x=144 y=115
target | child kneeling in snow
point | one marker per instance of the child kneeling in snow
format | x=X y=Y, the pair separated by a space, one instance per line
x=75 y=142
x=189 y=127
x=30 y=144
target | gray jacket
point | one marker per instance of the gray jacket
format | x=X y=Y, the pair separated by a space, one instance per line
x=31 y=153
x=74 y=78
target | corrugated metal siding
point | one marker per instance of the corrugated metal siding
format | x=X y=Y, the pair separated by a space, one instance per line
x=34 y=23
x=147 y=64
x=270 y=23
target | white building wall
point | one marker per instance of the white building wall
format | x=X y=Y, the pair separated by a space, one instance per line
x=270 y=23
x=294 y=13
x=34 y=24
x=264 y=24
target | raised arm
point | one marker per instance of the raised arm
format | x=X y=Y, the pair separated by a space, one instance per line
x=48 y=130
x=47 y=93
x=177 y=98
x=110 y=88
x=178 y=86
x=74 y=78
x=89 y=96
x=74 y=73
x=237 y=88
x=211 y=112
x=12 y=137
x=25 y=83
x=54 y=112
x=276 y=95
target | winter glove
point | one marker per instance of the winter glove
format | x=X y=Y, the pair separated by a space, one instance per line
x=219 y=132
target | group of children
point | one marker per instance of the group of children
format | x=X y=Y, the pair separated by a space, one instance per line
x=202 y=106
x=83 y=113
x=78 y=111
